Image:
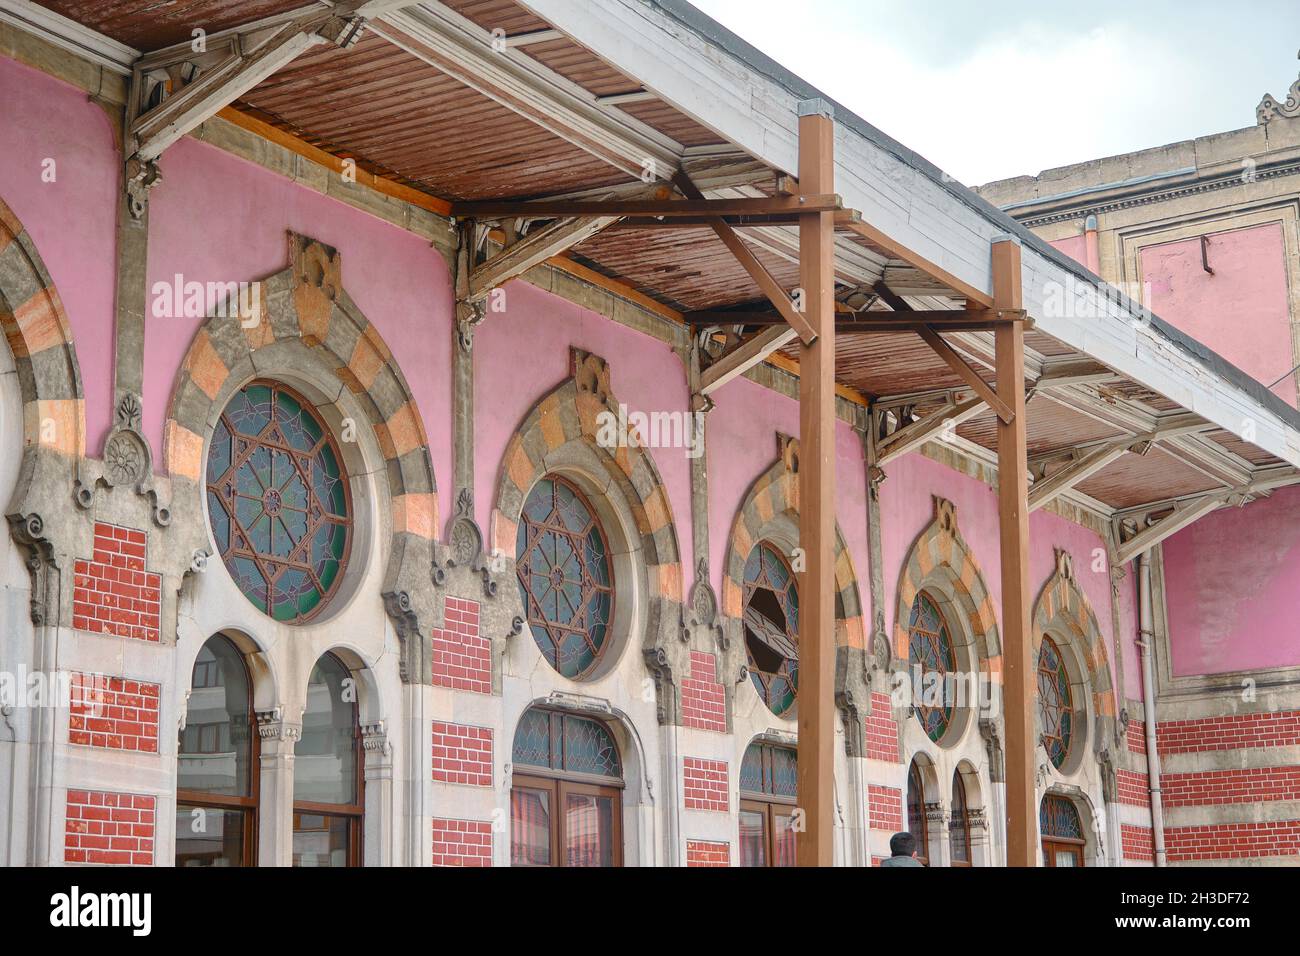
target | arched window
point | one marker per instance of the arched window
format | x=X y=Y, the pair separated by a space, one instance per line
x=1062 y=830
x=768 y=782
x=772 y=627
x=216 y=763
x=327 y=771
x=959 y=825
x=565 y=797
x=917 y=825
x=565 y=578
x=1054 y=703
x=930 y=650
x=278 y=501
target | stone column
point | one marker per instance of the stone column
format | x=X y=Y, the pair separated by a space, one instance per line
x=378 y=825
x=936 y=826
x=275 y=797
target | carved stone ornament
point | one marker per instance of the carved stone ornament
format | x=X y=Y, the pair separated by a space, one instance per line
x=1270 y=108
x=29 y=533
x=271 y=725
x=660 y=667
x=945 y=513
x=789 y=451
x=701 y=610
x=127 y=462
x=374 y=738
x=591 y=375
x=464 y=547
x=993 y=744
x=880 y=649
x=140 y=178
x=1064 y=564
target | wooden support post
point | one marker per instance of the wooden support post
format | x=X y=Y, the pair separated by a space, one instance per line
x=1018 y=666
x=817 y=495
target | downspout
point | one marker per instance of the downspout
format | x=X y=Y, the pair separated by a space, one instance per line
x=1091 y=250
x=1146 y=643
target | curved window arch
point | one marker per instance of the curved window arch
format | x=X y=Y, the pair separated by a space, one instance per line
x=771 y=616
x=216 y=763
x=930 y=649
x=1062 y=831
x=1055 y=703
x=917 y=824
x=566 y=792
x=959 y=825
x=768 y=783
x=327 y=771
x=565 y=576
x=278 y=501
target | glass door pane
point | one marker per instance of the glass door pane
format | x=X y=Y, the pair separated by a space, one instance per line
x=530 y=827
x=320 y=840
x=588 y=830
x=209 y=836
x=783 y=854
x=753 y=838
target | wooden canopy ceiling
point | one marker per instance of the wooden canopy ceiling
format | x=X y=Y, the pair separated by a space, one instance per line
x=472 y=100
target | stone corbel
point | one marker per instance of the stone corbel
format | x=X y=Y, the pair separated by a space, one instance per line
x=464 y=547
x=29 y=533
x=127 y=461
x=414 y=664
x=272 y=727
x=853 y=697
x=141 y=177
x=666 y=698
x=374 y=739
x=701 y=610
x=993 y=745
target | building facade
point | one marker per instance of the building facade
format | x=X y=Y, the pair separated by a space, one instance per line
x=309 y=566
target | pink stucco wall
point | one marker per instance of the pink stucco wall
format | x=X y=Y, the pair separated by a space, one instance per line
x=1233 y=588
x=522 y=355
x=1241 y=310
x=217 y=218
x=907 y=508
x=72 y=220
x=1073 y=246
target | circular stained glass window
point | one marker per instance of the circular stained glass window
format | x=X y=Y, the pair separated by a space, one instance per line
x=772 y=628
x=1054 y=703
x=930 y=650
x=278 y=501
x=564 y=576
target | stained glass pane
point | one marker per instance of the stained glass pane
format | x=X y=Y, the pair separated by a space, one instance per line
x=1057 y=817
x=588 y=748
x=769 y=770
x=1055 y=705
x=533 y=739
x=771 y=618
x=565 y=581
x=278 y=501
x=751 y=769
x=932 y=658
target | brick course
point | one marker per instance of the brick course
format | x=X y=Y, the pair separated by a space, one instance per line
x=1232 y=841
x=461 y=659
x=1230 y=732
x=1134 y=788
x=706 y=853
x=462 y=842
x=110 y=828
x=114 y=713
x=462 y=754
x=703 y=703
x=1137 y=842
x=112 y=591
x=882 y=730
x=705 y=784
x=885 y=808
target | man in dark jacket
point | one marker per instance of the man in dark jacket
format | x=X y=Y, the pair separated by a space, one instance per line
x=903 y=847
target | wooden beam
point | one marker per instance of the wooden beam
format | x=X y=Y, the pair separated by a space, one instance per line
x=754 y=221
x=1182 y=515
x=531 y=37
x=847 y=320
x=816 y=759
x=1082 y=468
x=916 y=434
x=971 y=377
x=1019 y=682
x=532 y=250
x=757 y=271
x=553 y=208
x=744 y=357
x=896 y=250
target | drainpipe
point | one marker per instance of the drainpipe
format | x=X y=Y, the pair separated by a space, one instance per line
x=1146 y=643
x=1091 y=250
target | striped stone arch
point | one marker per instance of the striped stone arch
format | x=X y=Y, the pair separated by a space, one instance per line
x=306 y=308
x=1062 y=609
x=568 y=416
x=773 y=501
x=37 y=330
x=940 y=559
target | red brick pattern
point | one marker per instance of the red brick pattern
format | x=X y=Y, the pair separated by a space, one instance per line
x=113 y=594
x=704 y=853
x=703 y=703
x=1229 y=732
x=462 y=842
x=705 y=784
x=1134 y=788
x=1137 y=736
x=1232 y=841
x=1137 y=843
x=885 y=808
x=882 y=730
x=112 y=828
x=462 y=754
x=462 y=659
x=1257 y=785
x=114 y=713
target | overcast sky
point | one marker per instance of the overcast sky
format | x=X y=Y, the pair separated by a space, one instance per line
x=988 y=89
